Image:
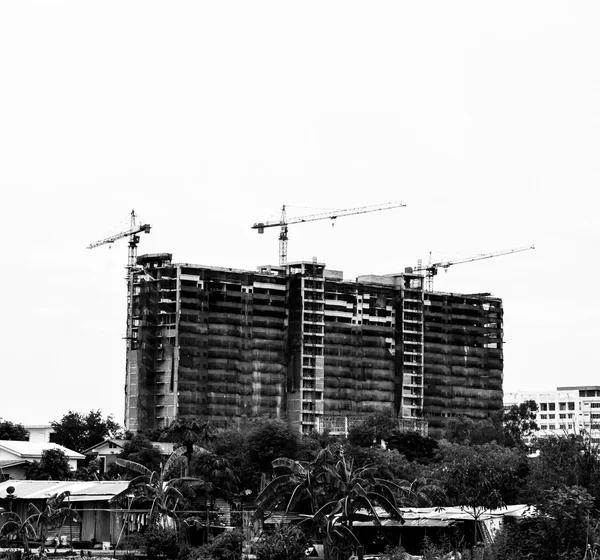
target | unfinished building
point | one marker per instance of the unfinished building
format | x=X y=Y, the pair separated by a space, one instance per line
x=299 y=341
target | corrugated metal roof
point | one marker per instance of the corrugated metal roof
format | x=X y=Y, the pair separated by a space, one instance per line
x=35 y=449
x=80 y=491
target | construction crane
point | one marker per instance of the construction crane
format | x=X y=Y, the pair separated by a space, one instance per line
x=431 y=269
x=135 y=228
x=283 y=222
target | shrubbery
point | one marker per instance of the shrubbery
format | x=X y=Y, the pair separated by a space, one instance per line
x=161 y=542
x=226 y=546
x=284 y=543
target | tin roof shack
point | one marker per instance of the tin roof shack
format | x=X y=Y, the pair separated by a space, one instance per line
x=15 y=454
x=101 y=517
x=447 y=524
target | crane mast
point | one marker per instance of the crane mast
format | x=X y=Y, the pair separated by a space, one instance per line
x=133 y=231
x=283 y=222
x=431 y=269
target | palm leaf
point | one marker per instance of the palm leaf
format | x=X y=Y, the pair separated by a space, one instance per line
x=272 y=495
x=343 y=533
x=57 y=499
x=133 y=466
x=10 y=527
x=295 y=467
x=329 y=509
x=389 y=507
x=176 y=457
x=32 y=510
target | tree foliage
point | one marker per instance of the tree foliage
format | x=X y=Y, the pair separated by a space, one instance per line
x=11 y=431
x=79 y=432
x=519 y=423
x=414 y=446
x=53 y=465
x=374 y=429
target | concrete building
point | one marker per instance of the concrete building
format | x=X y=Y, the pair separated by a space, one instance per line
x=574 y=410
x=299 y=341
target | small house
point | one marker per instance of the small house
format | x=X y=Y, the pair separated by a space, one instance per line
x=107 y=451
x=15 y=455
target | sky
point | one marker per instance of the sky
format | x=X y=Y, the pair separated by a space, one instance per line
x=206 y=117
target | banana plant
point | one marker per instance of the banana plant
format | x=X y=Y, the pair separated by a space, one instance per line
x=298 y=480
x=165 y=494
x=24 y=529
x=52 y=515
x=355 y=496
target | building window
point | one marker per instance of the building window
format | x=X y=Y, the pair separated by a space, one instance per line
x=551 y=406
x=543 y=406
x=562 y=406
x=571 y=406
x=562 y=416
x=544 y=426
x=543 y=416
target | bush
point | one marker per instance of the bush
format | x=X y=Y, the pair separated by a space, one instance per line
x=226 y=546
x=135 y=541
x=285 y=543
x=159 y=542
x=396 y=553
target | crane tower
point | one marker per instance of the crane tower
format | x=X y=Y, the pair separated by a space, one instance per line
x=135 y=228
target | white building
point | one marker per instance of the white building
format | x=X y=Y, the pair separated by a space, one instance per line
x=572 y=410
x=15 y=455
x=39 y=433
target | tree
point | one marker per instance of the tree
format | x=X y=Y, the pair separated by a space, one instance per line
x=464 y=430
x=79 y=432
x=141 y=450
x=268 y=439
x=374 y=428
x=519 y=423
x=412 y=445
x=53 y=465
x=478 y=478
x=560 y=528
x=567 y=460
x=189 y=433
x=14 y=432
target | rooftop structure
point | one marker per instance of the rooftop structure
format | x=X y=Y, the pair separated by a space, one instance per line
x=299 y=341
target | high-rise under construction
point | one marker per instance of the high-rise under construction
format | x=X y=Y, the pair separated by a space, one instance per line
x=299 y=341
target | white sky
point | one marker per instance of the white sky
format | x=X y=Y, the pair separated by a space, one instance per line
x=205 y=117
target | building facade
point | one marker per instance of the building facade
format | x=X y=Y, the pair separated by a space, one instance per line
x=568 y=410
x=299 y=341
